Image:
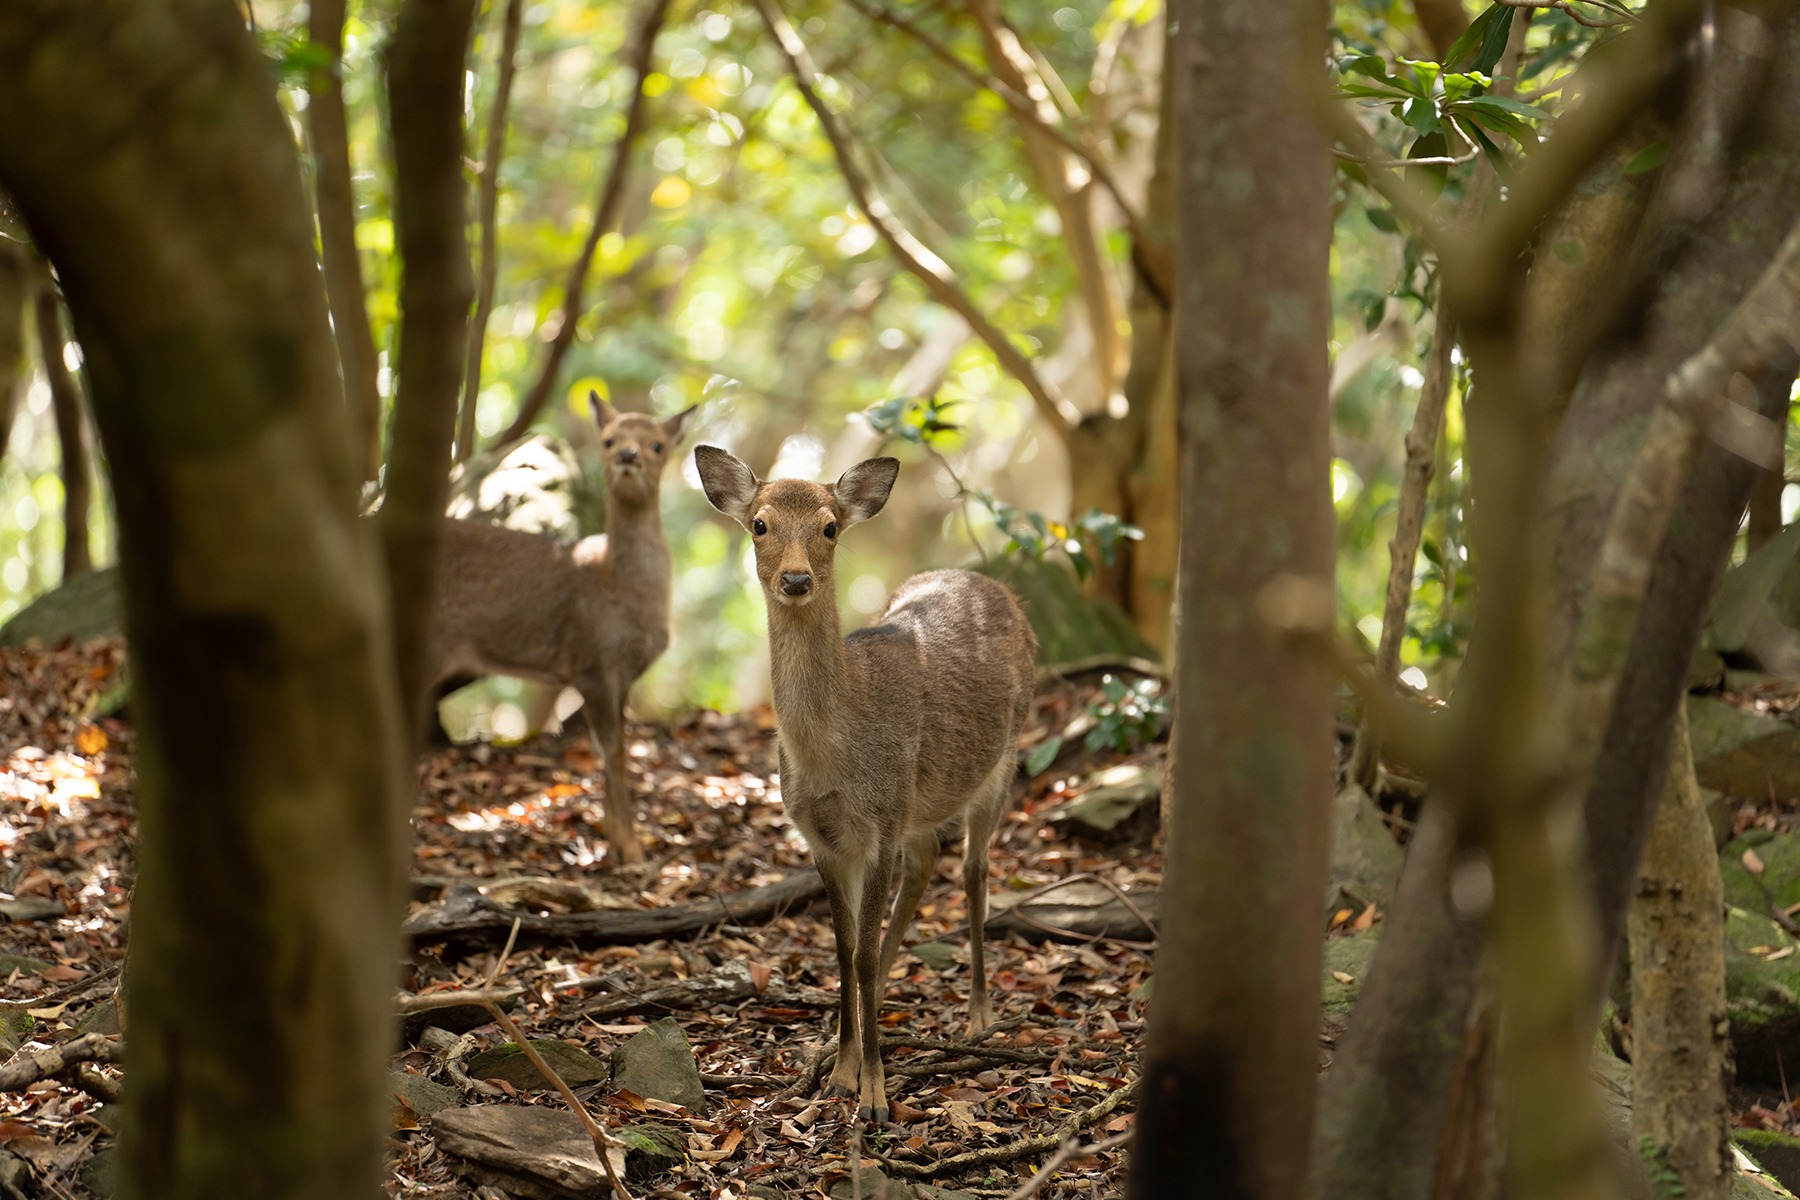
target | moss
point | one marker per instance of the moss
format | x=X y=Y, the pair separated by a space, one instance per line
x=1762 y=994
x=1776 y=1153
x=1349 y=956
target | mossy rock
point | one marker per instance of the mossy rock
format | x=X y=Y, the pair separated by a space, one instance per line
x=1069 y=626
x=86 y=607
x=1743 y=753
x=1352 y=956
x=658 y=1064
x=507 y=1062
x=1780 y=880
x=1365 y=859
x=652 y=1148
x=1762 y=994
x=1776 y=1153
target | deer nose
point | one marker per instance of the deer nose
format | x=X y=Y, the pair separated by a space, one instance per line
x=796 y=583
x=628 y=454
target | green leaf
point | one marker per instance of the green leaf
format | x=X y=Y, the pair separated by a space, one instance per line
x=1422 y=115
x=1503 y=104
x=1426 y=73
x=1649 y=158
x=1383 y=219
x=1373 y=66
x=1042 y=755
x=885 y=417
x=1501 y=166
x=1476 y=35
x=1493 y=42
x=1549 y=58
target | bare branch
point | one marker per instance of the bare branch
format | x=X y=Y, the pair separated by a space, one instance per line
x=490 y=200
x=927 y=267
x=606 y=212
x=1626 y=16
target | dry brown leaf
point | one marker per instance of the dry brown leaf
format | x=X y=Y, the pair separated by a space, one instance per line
x=1752 y=863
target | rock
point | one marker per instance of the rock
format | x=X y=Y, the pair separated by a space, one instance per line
x=99 y=1174
x=653 y=1148
x=658 y=1064
x=15 y=1026
x=541 y=1153
x=1069 y=626
x=86 y=607
x=1077 y=912
x=32 y=908
x=507 y=1062
x=1779 y=882
x=1119 y=794
x=1350 y=956
x=458 y=1018
x=1743 y=753
x=1365 y=859
x=1776 y=1153
x=1762 y=994
x=23 y=964
x=421 y=1094
x=102 y=1018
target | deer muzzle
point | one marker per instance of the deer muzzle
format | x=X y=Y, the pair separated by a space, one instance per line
x=796 y=583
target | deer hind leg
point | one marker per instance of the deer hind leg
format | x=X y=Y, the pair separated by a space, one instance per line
x=983 y=815
x=843 y=891
x=606 y=724
x=918 y=858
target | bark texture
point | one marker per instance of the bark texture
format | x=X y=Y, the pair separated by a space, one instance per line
x=15 y=292
x=71 y=433
x=329 y=130
x=425 y=98
x=1681 y=1048
x=1231 y=1063
x=271 y=782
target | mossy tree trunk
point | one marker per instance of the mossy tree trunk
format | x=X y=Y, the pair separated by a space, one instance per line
x=1230 y=1069
x=272 y=781
x=1681 y=1046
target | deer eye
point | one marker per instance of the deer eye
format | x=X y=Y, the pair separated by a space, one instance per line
x=608 y=443
x=656 y=446
x=758 y=528
x=831 y=529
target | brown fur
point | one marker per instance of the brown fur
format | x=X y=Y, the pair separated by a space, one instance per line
x=591 y=614
x=890 y=738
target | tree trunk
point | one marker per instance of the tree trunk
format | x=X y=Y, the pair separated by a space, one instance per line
x=1765 y=509
x=425 y=97
x=15 y=290
x=490 y=201
x=1681 y=1050
x=71 y=433
x=1443 y=22
x=329 y=131
x=272 y=788
x=1232 y=1058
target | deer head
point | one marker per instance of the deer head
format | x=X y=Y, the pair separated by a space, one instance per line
x=794 y=525
x=635 y=448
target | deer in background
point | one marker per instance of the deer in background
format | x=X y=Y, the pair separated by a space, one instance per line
x=892 y=739
x=591 y=614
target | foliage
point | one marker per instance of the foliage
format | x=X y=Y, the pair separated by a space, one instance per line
x=1663 y=1177
x=1125 y=713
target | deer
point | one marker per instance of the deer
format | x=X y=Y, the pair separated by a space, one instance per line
x=591 y=614
x=891 y=740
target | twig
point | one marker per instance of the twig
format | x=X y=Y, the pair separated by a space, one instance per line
x=808 y=1079
x=1626 y=16
x=73 y=989
x=606 y=212
x=453 y=1061
x=1156 y=259
x=88 y=1078
x=1071 y=1149
x=1024 y=1148
x=1436 y=161
x=1098 y=662
x=714 y=1079
x=28 y=1068
x=933 y=272
x=427 y=1001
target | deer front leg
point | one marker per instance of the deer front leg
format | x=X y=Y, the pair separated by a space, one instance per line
x=606 y=722
x=871 y=985
x=846 y=1076
x=983 y=815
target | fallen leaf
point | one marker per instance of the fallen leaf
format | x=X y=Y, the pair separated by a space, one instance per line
x=14 y=1129
x=90 y=739
x=64 y=974
x=1752 y=863
x=1365 y=921
x=1781 y=953
x=1340 y=916
x=759 y=976
x=48 y=1014
x=1343 y=977
x=902 y=1113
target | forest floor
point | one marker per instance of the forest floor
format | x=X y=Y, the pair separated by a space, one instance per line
x=978 y=1118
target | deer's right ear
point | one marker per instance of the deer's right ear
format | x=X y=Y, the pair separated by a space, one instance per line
x=863 y=489
x=604 y=413
x=729 y=484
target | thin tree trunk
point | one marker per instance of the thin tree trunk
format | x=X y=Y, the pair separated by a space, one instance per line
x=490 y=201
x=425 y=96
x=606 y=214
x=272 y=785
x=15 y=290
x=1681 y=1049
x=329 y=131
x=71 y=433
x=1231 y=1064
x=1765 y=509
x=1443 y=22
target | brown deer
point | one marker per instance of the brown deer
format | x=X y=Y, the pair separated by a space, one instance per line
x=891 y=738
x=591 y=614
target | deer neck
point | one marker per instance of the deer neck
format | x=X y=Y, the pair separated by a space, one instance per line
x=808 y=675
x=637 y=549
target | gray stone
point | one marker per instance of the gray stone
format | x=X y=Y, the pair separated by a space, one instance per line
x=507 y=1062
x=1119 y=794
x=1743 y=753
x=23 y=964
x=421 y=1094
x=1365 y=859
x=658 y=1064
x=543 y=1153
x=32 y=908
x=102 y=1018
x=652 y=1148
x=85 y=607
x=100 y=1173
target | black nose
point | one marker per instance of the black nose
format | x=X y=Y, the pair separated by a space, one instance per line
x=628 y=454
x=796 y=583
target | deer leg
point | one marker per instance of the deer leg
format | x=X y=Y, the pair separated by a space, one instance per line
x=606 y=725
x=874 y=1105
x=843 y=893
x=920 y=857
x=983 y=816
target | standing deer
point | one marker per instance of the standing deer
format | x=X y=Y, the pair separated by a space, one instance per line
x=891 y=738
x=591 y=614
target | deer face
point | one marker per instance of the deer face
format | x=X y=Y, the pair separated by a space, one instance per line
x=634 y=449
x=794 y=525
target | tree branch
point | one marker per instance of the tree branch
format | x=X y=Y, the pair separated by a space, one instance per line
x=928 y=268
x=490 y=201
x=606 y=213
x=71 y=431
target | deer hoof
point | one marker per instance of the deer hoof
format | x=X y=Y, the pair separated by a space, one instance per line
x=874 y=1116
x=838 y=1091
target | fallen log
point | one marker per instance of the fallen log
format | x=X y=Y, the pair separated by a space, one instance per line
x=466 y=917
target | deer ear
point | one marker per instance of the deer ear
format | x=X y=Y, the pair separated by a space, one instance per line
x=729 y=484
x=672 y=427
x=604 y=413
x=864 y=488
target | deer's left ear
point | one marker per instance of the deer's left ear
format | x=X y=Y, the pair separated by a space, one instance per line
x=672 y=427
